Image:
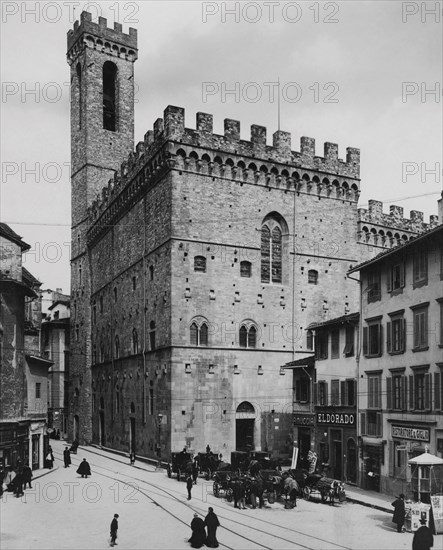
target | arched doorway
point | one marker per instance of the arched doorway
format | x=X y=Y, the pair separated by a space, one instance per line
x=76 y=428
x=101 y=435
x=244 y=427
x=351 y=464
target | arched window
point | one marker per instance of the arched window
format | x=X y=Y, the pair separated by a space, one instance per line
x=134 y=341
x=313 y=277
x=117 y=347
x=245 y=269
x=79 y=84
x=152 y=335
x=199 y=334
x=200 y=264
x=248 y=337
x=109 y=96
x=309 y=340
x=271 y=252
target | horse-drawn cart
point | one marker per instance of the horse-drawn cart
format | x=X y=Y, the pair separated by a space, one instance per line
x=181 y=464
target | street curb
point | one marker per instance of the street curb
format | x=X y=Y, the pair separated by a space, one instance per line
x=368 y=505
x=123 y=455
x=53 y=469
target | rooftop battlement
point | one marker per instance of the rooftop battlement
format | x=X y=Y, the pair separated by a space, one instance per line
x=98 y=35
x=172 y=127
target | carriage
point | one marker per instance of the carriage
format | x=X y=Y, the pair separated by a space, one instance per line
x=310 y=485
x=222 y=485
x=208 y=463
x=181 y=464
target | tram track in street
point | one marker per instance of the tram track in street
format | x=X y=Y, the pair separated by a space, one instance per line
x=170 y=495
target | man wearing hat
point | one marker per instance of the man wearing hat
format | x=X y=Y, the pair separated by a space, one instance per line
x=423 y=539
x=114 y=529
x=399 y=512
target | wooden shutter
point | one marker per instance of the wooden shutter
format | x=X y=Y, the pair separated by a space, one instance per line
x=343 y=397
x=404 y=393
x=379 y=424
x=389 y=392
x=403 y=335
x=363 y=423
x=326 y=393
x=389 y=337
x=391 y=458
x=416 y=329
x=437 y=392
x=411 y=393
x=315 y=393
x=428 y=384
x=389 y=279
x=402 y=274
x=425 y=328
x=380 y=341
x=365 y=340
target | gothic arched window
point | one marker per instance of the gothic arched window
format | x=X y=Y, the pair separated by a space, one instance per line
x=199 y=334
x=109 y=96
x=271 y=252
x=248 y=336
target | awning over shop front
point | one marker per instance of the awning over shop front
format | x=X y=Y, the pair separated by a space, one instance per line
x=308 y=361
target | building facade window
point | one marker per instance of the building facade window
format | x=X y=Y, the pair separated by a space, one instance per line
x=200 y=264
x=199 y=334
x=396 y=391
x=38 y=390
x=134 y=341
x=374 y=286
x=349 y=346
x=420 y=268
x=309 y=340
x=396 y=277
x=109 y=96
x=396 y=334
x=374 y=427
x=420 y=389
x=420 y=319
x=321 y=344
x=372 y=339
x=271 y=252
x=335 y=343
x=302 y=389
x=374 y=391
x=335 y=392
x=313 y=277
x=245 y=269
x=322 y=388
x=248 y=336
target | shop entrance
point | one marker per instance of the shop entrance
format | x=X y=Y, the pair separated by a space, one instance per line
x=337 y=454
x=304 y=446
x=244 y=427
x=371 y=472
x=351 y=463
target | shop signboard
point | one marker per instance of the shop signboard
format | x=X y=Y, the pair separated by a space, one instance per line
x=437 y=510
x=336 y=419
x=301 y=419
x=414 y=434
x=415 y=511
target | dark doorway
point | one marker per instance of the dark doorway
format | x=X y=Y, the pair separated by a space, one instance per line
x=304 y=446
x=337 y=454
x=244 y=434
x=351 y=465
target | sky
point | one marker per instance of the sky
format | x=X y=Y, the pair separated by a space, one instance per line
x=365 y=74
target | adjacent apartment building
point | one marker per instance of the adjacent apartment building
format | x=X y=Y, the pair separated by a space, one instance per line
x=400 y=368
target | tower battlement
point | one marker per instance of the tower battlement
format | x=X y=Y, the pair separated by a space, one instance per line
x=99 y=36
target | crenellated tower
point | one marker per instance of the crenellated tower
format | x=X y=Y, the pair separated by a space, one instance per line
x=101 y=60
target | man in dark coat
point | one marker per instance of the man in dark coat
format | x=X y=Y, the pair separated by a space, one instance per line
x=27 y=476
x=399 y=512
x=189 y=484
x=211 y=522
x=18 y=483
x=67 y=457
x=114 y=529
x=198 y=537
x=195 y=471
x=84 y=469
x=423 y=539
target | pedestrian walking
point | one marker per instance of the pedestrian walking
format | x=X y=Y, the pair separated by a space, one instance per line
x=67 y=457
x=211 y=522
x=195 y=471
x=189 y=484
x=423 y=538
x=27 y=476
x=198 y=537
x=114 y=529
x=399 y=512
x=49 y=458
x=242 y=491
x=84 y=469
x=18 y=483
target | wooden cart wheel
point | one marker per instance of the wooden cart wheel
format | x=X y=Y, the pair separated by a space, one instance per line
x=229 y=495
x=306 y=493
